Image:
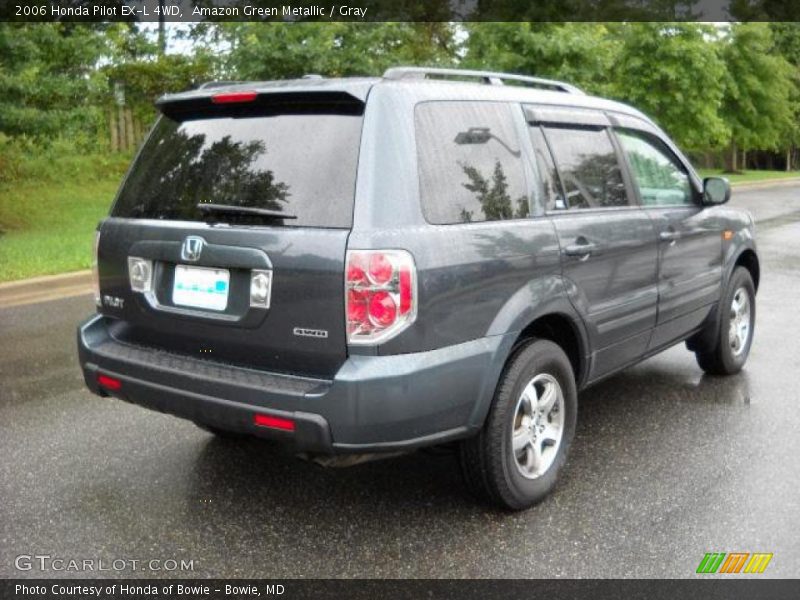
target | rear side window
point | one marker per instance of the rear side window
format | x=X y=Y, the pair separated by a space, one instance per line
x=588 y=165
x=299 y=164
x=470 y=163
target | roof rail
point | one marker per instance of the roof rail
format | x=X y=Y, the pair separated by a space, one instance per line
x=488 y=77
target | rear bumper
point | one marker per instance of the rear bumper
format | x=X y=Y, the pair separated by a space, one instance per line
x=373 y=404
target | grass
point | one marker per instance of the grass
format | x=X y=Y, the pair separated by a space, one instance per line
x=48 y=217
x=749 y=176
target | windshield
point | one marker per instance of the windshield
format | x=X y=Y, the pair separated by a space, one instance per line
x=303 y=165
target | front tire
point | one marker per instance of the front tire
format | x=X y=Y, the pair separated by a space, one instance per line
x=736 y=327
x=515 y=460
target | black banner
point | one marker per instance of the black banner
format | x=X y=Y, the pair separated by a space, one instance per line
x=483 y=589
x=185 y=11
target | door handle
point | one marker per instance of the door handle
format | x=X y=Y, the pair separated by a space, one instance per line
x=670 y=235
x=582 y=251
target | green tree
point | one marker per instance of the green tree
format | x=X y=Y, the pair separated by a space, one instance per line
x=580 y=53
x=673 y=72
x=49 y=82
x=758 y=92
x=286 y=50
x=136 y=66
x=57 y=79
x=147 y=79
x=786 y=37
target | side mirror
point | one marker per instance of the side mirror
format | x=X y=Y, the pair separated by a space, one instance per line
x=716 y=190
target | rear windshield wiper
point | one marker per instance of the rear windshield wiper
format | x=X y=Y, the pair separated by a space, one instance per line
x=231 y=209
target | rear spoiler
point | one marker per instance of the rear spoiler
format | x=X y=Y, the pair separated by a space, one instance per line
x=242 y=102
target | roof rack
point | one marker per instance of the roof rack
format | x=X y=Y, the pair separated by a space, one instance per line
x=487 y=77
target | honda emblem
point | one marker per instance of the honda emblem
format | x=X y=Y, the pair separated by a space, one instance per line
x=192 y=248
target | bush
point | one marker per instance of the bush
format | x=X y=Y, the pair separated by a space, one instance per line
x=25 y=159
x=11 y=158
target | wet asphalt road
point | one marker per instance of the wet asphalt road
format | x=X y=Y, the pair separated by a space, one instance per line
x=667 y=464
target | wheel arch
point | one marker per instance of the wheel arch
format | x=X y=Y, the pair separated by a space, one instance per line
x=541 y=308
x=706 y=338
x=562 y=327
x=562 y=330
x=748 y=259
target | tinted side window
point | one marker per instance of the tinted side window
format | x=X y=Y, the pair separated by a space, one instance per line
x=470 y=163
x=661 y=180
x=588 y=166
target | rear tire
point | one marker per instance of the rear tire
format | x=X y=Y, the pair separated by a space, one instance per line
x=515 y=460
x=734 y=336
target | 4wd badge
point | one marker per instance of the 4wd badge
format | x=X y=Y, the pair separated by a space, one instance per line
x=314 y=333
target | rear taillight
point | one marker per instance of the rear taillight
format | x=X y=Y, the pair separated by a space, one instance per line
x=95 y=272
x=380 y=294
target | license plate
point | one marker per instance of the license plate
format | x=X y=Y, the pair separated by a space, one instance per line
x=199 y=287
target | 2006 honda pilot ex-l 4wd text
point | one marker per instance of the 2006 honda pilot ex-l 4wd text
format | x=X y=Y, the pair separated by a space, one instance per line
x=357 y=266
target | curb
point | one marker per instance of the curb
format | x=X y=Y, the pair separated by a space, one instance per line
x=44 y=279
x=42 y=289
x=766 y=183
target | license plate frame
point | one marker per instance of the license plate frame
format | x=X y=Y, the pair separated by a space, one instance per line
x=205 y=288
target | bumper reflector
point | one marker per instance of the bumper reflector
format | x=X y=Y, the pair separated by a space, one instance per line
x=108 y=382
x=273 y=422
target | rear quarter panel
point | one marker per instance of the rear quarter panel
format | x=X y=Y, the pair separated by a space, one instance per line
x=474 y=279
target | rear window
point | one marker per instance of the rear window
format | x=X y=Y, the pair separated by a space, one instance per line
x=298 y=164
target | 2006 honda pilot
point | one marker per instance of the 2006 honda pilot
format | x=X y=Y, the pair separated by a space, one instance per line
x=375 y=265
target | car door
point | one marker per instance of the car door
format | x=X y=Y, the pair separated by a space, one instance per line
x=690 y=244
x=608 y=244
